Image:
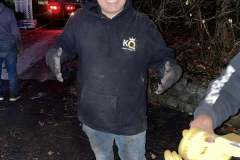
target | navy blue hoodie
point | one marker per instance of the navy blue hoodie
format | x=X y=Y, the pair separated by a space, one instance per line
x=114 y=56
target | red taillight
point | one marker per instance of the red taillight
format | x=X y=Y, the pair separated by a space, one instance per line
x=70 y=7
x=54 y=7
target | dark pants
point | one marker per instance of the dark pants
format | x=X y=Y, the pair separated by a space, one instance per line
x=11 y=64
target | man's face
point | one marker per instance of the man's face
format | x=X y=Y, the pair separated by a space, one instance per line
x=111 y=8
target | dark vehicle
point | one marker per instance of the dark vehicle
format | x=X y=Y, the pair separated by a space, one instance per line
x=61 y=9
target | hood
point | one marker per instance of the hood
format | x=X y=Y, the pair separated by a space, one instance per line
x=93 y=6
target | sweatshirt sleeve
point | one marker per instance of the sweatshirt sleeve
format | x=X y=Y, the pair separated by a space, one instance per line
x=158 y=49
x=67 y=40
x=14 y=30
x=162 y=58
x=222 y=99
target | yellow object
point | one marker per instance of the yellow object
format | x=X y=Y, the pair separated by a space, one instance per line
x=168 y=155
x=194 y=146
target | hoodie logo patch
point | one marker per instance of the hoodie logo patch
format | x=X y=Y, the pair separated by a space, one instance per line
x=129 y=44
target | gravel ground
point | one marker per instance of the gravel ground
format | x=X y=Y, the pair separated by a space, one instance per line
x=42 y=125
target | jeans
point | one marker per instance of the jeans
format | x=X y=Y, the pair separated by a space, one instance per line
x=11 y=64
x=129 y=147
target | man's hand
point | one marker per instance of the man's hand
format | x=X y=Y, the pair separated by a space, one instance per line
x=205 y=123
x=170 y=76
x=53 y=60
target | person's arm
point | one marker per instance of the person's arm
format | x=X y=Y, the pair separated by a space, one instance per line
x=64 y=48
x=67 y=39
x=162 y=60
x=222 y=99
x=15 y=31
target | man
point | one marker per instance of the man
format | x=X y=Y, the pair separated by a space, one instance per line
x=115 y=45
x=222 y=99
x=9 y=43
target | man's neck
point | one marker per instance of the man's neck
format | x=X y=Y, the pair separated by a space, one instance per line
x=111 y=15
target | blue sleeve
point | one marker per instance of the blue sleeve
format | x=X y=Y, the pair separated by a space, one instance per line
x=222 y=99
x=14 y=30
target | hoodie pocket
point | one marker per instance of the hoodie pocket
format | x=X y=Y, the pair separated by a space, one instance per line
x=98 y=109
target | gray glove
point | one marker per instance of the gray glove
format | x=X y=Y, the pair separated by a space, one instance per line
x=53 y=61
x=171 y=74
